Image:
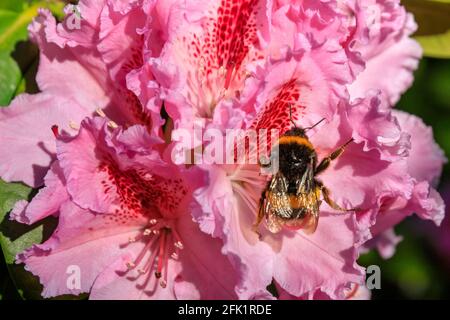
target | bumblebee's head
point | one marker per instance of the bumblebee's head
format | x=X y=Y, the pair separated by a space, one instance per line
x=296 y=131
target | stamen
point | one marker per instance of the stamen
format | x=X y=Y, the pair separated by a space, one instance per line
x=143 y=253
x=74 y=126
x=162 y=245
x=134 y=239
x=100 y=113
x=179 y=245
x=163 y=282
x=146 y=269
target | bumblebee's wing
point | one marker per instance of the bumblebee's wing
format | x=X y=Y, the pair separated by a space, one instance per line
x=308 y=196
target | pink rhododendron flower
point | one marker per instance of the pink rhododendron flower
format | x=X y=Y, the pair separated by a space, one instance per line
x=124 y=220
x=381 y=39
x=137 y=224
x=80 y=71
x=424 y=166
x=376 y=167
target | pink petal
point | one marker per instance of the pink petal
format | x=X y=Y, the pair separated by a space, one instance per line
x=325 y=259
x=358 y=178
x=123 y=34
x=61 y=65
x=374 y=123
x=81 y=161
x=385 y=242
x=111 y=285
x=82 y=240
x=390 y=71
x=426 y=157
x=26 y=129
x=311 y=82
x=206 y=273
x=227 y=213
x=381 y=38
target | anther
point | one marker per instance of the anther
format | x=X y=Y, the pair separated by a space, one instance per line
x=148 y=177
x=179 y=245
x=74 y=126
x=113 y=125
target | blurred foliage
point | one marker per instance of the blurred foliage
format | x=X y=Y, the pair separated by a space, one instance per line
x=433 y=18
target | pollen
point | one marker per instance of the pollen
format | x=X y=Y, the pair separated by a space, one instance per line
x=74 y=126
x=113 y=125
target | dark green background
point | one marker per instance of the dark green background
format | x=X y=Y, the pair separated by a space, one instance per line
x=418 y=270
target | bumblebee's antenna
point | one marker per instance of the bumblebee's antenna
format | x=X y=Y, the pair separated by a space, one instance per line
x=309 y=128
x=290 y=115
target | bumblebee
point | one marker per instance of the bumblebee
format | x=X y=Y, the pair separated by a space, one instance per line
x=291 y=198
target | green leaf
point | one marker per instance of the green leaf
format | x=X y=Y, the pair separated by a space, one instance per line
x=9 y=194
x=10 y=77
x=16 y=237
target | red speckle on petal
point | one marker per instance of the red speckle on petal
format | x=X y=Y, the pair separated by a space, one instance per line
x=143 y=194
x=217 y=58
x=235 y=32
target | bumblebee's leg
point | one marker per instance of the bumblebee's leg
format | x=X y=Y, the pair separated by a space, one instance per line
x=329 y=201
x=325 y=163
